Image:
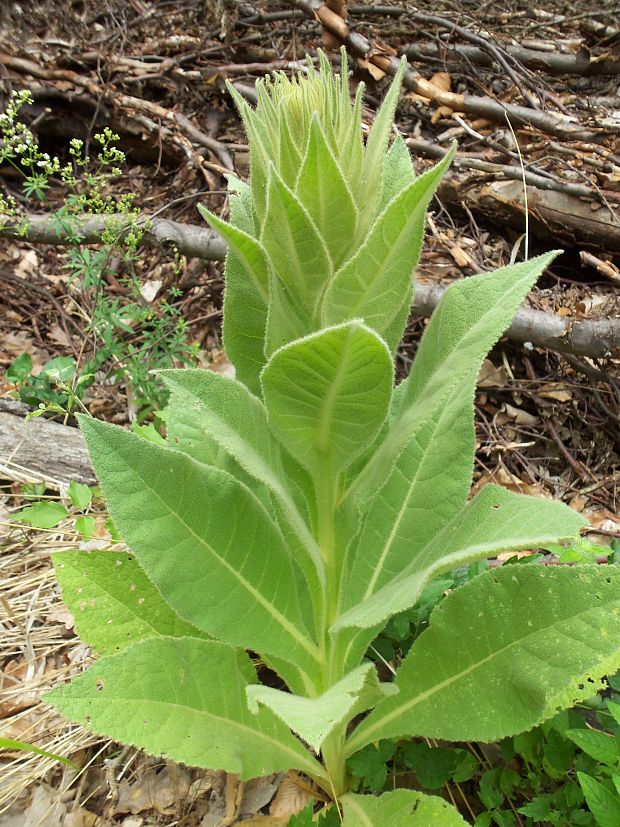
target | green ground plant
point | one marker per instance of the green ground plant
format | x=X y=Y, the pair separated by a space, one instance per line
x=293 y=511
x=130 y=337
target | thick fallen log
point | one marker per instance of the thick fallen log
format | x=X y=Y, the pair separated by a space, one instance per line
x=594 y=338
x=39 y=450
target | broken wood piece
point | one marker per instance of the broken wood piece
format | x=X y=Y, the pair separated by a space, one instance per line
x=40 y=450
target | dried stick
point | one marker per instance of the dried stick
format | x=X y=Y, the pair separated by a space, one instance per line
x=596 y=338
x=474 y=105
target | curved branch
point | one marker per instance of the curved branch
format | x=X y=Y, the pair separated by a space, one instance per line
x=595 y=338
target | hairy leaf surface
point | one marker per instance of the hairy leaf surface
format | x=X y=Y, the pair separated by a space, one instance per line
x=496 y=520
x=313 y=719
x=183 y=698
x=113 y=602
x=399 y=808
x=375 y=284
x=327 y=395
x=504 y=653
x=322 y=187
x=215 y=547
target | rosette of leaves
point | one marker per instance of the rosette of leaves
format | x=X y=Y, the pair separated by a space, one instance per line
x=295 y=509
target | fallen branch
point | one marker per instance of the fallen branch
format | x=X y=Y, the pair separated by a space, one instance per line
x=482 y=107
x=596 y=338
x=39 y=450
x=553 y=63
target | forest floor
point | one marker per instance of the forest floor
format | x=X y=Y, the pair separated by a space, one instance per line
x=547 y=418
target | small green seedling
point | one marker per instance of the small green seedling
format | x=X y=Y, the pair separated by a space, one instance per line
x=294 y=510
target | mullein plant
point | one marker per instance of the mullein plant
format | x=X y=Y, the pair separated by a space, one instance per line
x=295 y=509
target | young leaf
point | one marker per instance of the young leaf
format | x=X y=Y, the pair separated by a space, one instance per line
x=399 y=808
x=469 y=320
x=372 y=164
x=293 y=245
x=46 y=514
x=322 y=187
x=313 y=719
x=496 y=520
x=80 y=495
x=398 y=171
x=184 y=698
x=327 y=395
x=376 y=282
x=210 y=406
x=247 y=249
x=602 y=746
x=113 y=602
x=554 y=635
x=215 y=548
x=245 y=309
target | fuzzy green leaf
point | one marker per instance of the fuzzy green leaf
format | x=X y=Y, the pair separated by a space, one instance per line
x=399 y=808
x=208 y=406
x=245 y=309
x=113 y=602
x=313 y=719
x=468 y=321
x=496 y=520
x=323 y=189
x=183 y=698
x=376 y=282
x=294 y=246
x=428 y=484
x=327 y=395
x=215 y=548
x=504 y=653
x=398 y=171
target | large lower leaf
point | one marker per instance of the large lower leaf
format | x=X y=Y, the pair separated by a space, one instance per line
x=468 y=321
x=209 y=406
x=113 y=602
x=328 y=394
x=183 y=698
x=205 y=542
x=313 y=719
x=376 y=282
x=496 y=520
x=504 y=653
x=399 y=808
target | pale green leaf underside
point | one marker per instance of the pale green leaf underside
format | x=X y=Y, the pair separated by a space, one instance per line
x=399 y=808
x=328 y=394
x=183 y=698
x=113 y=602
x=496 y=520
x=313 y=719
x=504 y=653
x=376 y=282
x=205 y=542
